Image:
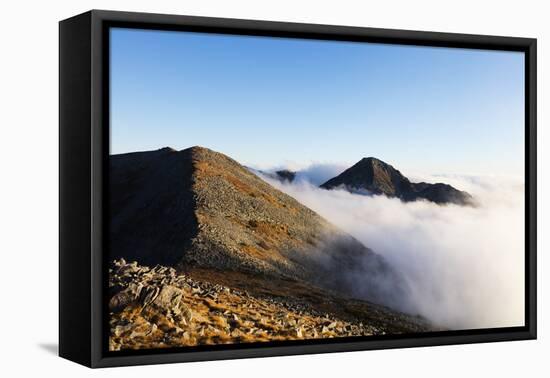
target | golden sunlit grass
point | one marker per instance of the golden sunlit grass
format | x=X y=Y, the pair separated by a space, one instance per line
x=229 y=318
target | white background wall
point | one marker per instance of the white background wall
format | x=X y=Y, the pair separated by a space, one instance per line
x=29 y=186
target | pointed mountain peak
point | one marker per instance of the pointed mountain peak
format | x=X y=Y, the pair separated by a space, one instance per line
x=374 y=176
x=374 y=162
x=371 y=160
x=370 y=175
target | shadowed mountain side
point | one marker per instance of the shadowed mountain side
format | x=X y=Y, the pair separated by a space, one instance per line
x=152 y=206
x=373 y=176
x=199 y=208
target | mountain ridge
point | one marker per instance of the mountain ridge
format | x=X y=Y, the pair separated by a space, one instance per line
x=217 y=255
x=200 y=208
x=371 y=175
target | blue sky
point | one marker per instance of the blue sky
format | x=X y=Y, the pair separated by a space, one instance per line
x=271 y=101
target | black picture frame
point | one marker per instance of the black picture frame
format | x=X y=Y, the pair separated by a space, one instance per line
x=83 y=152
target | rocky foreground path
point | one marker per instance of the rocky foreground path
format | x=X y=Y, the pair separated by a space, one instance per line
x=158 y=307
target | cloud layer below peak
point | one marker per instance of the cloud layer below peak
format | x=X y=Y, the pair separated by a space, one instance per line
x=464 y=266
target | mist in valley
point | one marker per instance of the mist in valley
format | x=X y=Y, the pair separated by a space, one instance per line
x=463 y=266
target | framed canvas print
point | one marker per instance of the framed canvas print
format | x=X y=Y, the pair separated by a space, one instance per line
x=235 y=188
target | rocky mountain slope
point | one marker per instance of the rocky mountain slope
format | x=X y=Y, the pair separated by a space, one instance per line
x=373 y=176
x=212 y=220
x=200 y=208
x=160 y=308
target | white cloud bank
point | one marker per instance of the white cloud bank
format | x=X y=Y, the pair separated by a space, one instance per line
x=464 y=266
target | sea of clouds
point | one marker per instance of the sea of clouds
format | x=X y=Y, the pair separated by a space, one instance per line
x=464 y=266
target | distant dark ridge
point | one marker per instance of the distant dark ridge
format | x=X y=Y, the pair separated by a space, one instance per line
x=286 y=175
x=282 y=175
x=374 y=176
